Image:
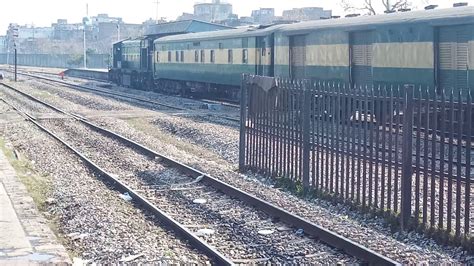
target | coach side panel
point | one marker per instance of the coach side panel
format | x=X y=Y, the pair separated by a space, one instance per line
x=218 y=62
x=398 y=54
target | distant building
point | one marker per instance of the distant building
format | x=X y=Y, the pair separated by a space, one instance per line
x=180 y=27
x=64 y=31
x=27 y=32
x=30 y=31
x=246 y=20
x=63 y=37
x=3 y=44
x=115 y=31
x=263 y=15
x=104 y=18
x=211 y=12
x=306 y=13
x=185 y=16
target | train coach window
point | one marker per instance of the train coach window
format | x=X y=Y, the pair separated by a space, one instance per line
x=169 y=56
x=196 y=56
x=182 y=56
x=157 y=57
x=213 y=56
x=177 y=56
x=203 y=56
x=230 y=56
x=245 y=56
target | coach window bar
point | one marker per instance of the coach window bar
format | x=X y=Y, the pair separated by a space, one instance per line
x=245 y=56
x=213 y=56
x=230 y=56
x=203 y=56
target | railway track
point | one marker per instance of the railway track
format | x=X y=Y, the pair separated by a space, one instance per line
x=238 y=222
x=131 y=97
x=387 y=128
x=236 y=230
x=365 y=142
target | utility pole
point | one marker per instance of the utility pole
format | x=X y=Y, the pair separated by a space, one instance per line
x=8 y=52
x=13 y=32
x=84 y=21
x=14 y=45
x=118 y=31
x=157 y=2
x=85 y=47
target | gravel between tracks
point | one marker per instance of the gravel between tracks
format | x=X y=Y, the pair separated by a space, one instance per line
x=95 y=223
x=19 y=100
x=220 y=139
x=77 y=100
x=236 y=224
x=406 y=248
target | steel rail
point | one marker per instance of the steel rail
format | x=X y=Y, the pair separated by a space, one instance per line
x=142 y=201
x=231 y=104
x=324 y=235
x=123 y=95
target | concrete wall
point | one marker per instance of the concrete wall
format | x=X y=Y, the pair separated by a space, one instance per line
x=57 y=60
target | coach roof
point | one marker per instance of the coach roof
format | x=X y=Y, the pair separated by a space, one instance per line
x=436 y=17
x=441 y=16
x=220 y=34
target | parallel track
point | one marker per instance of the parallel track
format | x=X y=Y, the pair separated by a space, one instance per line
x=326 y=236
x=130 y=96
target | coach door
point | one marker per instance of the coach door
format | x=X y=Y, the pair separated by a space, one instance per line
x=117 y=60
x=452 y=57
x=144 y=54
x=297 y=56
x=260 y=56
x=361 y=58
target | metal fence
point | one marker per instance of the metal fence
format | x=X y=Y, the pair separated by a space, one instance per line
x=404 y=150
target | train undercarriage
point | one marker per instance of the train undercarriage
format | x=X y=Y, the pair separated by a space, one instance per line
x=145 y=81
x=198 y=89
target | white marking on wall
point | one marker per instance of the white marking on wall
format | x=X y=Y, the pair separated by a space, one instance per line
x=317 y=55
x=403 y=55
x=282 y=55
x=327 y=55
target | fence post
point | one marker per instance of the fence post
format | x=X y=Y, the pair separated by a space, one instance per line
x=243 y=120
x=306 y=133
x=407 y=167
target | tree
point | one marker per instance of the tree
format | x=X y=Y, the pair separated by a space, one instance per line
x=372 y=6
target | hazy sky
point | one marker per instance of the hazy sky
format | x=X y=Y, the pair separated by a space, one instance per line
x=44 y=12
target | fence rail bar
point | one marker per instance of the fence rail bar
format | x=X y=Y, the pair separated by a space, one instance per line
x=402 y=149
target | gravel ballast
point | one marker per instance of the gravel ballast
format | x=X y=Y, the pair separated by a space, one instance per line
x=191 y=149
x=237 y=226
x=95 y=223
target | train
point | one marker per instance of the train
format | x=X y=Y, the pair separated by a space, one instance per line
x=433 y=48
